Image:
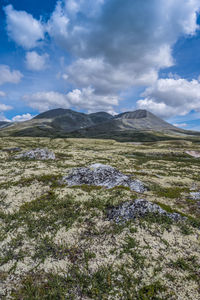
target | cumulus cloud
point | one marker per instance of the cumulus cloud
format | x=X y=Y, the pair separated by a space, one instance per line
x=89 y=7
x=36 y=62
x=2 y=94
x=88 y=99
x=169 y=97
x=22 y=118
x=4 y=107
x=43 y=101
x=181 y=125
x=8 y=76
x=58 y=24
x=111 y=46
x=124 y=45
x=106 y=78
x=23 y=28
x=81 y=99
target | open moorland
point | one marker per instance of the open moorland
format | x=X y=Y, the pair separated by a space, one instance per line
x=61 y=241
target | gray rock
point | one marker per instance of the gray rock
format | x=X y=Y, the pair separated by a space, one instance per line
x=40 y=154
x=11 y=150
x=138 y=208
x=194 y=154
x=102 y=175
x=195 y=195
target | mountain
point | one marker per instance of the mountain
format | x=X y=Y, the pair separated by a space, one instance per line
x=4 y=124
x=139 y=125
x=142 y=120
x=53 y=113
x=56 y=122
x=139 y=120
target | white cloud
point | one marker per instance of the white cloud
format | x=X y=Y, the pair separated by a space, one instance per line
x=2 y=94
x=58 y=24
x=8 y=76
x=23 y=28
x=22 y=118
x=47 y=100
x=124 y=45
x=3 y=118
x=170 y=97
x=89 y=100
x=181 y=125
x=36 y=62
x=105 y=78
x=89 y=7
x=111 y=46
x=81 y=99
x=4 y=107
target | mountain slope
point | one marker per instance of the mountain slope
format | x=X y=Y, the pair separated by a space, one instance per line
x=4 y=124
x=139 y=120
x=56 y=122
x=142 y=120
x=139 y=125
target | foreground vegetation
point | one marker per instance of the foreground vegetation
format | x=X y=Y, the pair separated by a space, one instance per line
x=57 y=243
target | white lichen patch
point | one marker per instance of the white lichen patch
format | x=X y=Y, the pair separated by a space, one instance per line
x=16 y=196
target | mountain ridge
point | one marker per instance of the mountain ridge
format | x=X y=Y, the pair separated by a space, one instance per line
x=69 y=123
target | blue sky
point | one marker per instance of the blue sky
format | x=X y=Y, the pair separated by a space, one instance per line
x=110 y=55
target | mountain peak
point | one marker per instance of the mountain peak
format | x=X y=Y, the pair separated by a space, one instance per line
x=137 y=114
x=57 y=112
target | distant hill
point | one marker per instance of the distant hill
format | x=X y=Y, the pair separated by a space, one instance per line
x=128 y=126
x=139 y=120
x=53 y=113
x=56 y=122
x=4 y=124
x=143 y=119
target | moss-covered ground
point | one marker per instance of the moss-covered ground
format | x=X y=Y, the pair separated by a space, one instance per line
x=57 y=243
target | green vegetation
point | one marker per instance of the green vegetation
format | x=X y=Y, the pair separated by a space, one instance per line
x=57 y=242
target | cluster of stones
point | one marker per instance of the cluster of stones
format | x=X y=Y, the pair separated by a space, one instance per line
x=102 y=175
x=108 y=177
x=138 y=208
x=195 y=195
x=40 y=154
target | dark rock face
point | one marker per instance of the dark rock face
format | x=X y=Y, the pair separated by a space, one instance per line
x=102 y=175
x=40 y=154
x=138 y=208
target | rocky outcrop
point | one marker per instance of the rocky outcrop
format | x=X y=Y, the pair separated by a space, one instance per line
x=12 y=150
x=38 y=154
x=138 y=208
x=102 y=175
x=195 y=195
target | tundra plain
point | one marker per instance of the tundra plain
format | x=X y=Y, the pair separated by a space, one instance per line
x=58 y=243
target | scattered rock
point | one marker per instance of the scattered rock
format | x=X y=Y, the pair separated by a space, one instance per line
x=11 y=150
x=195 y=195
x=40 y=154
x=138 y=208
x=193 y=153
x=102 y=175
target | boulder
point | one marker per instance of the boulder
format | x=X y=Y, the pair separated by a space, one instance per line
x=138 y=208
x=195 y=195
x=102 y=175
x=11 y=150
x=39 y=154
x=194 y=154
